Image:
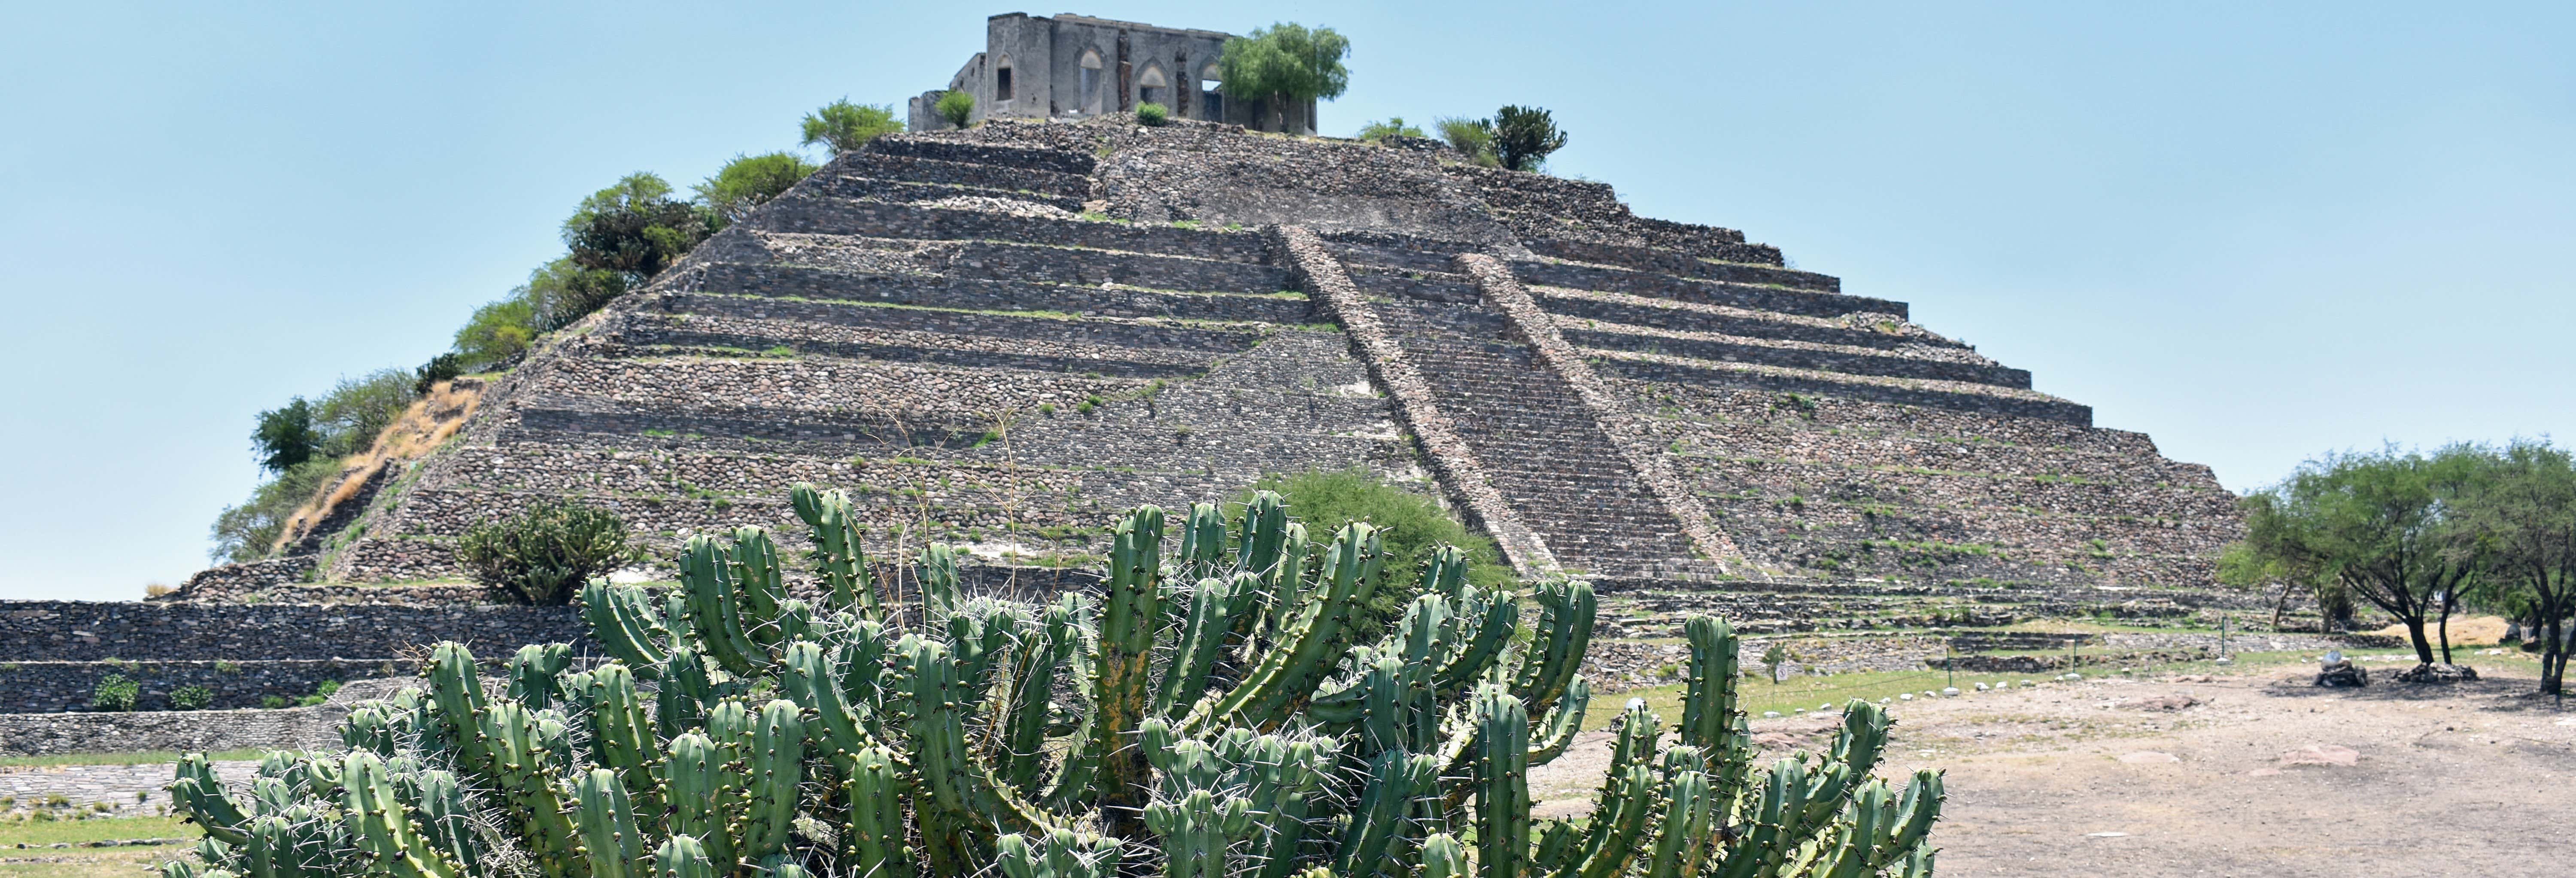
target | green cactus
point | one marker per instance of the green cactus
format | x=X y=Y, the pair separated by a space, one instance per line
x=1208 y=713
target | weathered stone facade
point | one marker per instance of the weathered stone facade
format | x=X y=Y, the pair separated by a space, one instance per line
x=1072 y=67
x=1668 y=408
x=1003 y=336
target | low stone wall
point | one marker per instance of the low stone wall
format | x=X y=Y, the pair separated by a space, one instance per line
x=47 y=734
x=89 y=631
x=53 y=687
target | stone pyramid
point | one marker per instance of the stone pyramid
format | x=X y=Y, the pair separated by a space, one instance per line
x=1000 y=337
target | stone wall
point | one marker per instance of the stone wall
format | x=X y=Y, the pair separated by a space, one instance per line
x=46 y=734
x=90 y=631
x=51 y=687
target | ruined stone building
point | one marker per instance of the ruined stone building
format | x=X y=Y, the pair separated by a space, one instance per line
x=1076 y=67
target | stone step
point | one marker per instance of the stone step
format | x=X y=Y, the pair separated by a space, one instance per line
x=1683 y=265
x=1656 y=285
x=798 y=213
x=1046 y=160
x=1041 y=329
x=904 y=191
x=1845 y=360
x=874 y=165
x=969 y=294
x=1573 y=308
x=1941 y=395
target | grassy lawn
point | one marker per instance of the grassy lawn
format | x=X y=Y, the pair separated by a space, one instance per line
x=37 y=859
x=1758 y=694
x=117 y=758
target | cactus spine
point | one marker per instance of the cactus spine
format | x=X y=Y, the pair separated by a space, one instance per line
x=1210 y=713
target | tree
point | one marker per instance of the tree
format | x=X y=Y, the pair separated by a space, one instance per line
x=2378 y=525
x=245 y=532
x=1524 y=136
x=497 y=332
x=750 y=181
x=635 y=228
x=957 y=107
x=1392 y=127
x=444 y=367
x=562 y=291
x=285 y=436
x=357 y=409
x=844 y=126
x=1473 y=138
x=2523 y=507
x=1286 y=65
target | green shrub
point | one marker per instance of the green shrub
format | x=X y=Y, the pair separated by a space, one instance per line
x=1473 y=138
x=272 y=702
x=1150 y=113
x=327 y=689
x=751 y=180
x=357 y=409
x=544 y=554
x=957 y=107
x=1524 y=136
x=845 y=126
x=285 y=436
x=444 y=367
x=1411 y=524
x=635 y=228
x=115 y=692
x=1393 y=127
x=191 y=697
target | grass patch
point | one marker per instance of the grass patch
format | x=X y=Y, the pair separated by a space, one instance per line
x=118 y=758
x=36 y=834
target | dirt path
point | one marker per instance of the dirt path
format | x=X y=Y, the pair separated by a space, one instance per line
x=2260 y=775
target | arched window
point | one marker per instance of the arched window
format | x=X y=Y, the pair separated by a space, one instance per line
x=1212 y=94
x=1152 y=88
x=1090 y=81
x=1002 y=79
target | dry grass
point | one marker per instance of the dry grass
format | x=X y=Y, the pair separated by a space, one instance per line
x=2465 y=630
x=428 y=422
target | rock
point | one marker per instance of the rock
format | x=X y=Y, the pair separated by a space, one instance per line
x=2342 y=674
x=2149 y=757
x=2437 y=674
x=2167 y=703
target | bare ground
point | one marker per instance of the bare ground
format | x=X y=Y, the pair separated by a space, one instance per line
x=2261 y=775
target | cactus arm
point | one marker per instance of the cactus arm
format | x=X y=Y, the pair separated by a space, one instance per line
x=1443 y=857
x=873 y=836
x=1203 y=541
x=686 y=691
x=817 y=687
x=1203 y=634
x=1026 y=703
x=695 y=784
x=1481 y=651
x=622 y=619
x=1862 y=738
x=1396 y=778
x=776 y=764
x=608 y=835
x=1502 y=785
x=681 y=856
x=1681 y=841
x=201 y=796
x=961 y=789
x=759 y=582
x=1563 y=722
x=1288 y=672
x=1129 y=615
x=1625 y=809
x=1567 y=613
x=706 y=575
x=443 y=818
x=839 y=557
x=621 y=734
x=939 y=590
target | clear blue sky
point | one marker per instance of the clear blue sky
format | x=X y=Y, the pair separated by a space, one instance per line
x=2256 y=234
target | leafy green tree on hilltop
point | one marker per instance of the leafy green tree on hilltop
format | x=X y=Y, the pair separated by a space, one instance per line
x=1524 y=136
x=844 y=126
x=285 y=436
x=749 y=181
x=1286 y=64
x=635 y=228
x=358 y=408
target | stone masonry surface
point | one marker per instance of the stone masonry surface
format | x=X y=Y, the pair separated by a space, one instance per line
x=1002 y=336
